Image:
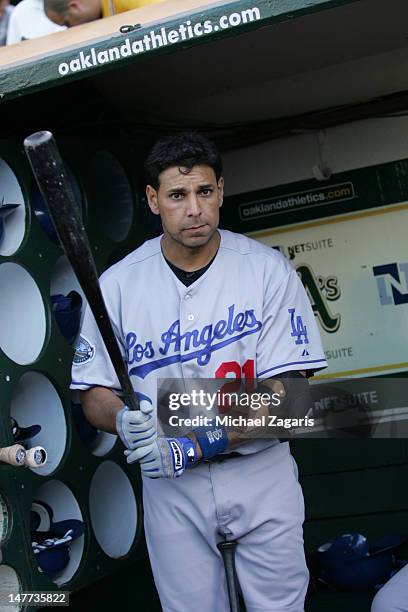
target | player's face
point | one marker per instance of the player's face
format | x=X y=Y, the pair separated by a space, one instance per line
x=188 y=203
x=79 y=11
x=3 y=5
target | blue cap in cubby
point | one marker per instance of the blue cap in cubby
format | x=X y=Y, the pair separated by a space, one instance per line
x=21 y=434
x=67 y=311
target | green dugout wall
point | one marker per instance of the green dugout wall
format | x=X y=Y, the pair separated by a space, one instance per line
x=309 y=90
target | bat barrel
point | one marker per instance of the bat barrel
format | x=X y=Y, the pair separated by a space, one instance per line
x=227 y=550
x=65 y=212
x=53 y=181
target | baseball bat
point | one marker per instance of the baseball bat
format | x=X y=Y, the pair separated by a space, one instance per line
x=55 y=187
x=227 y=550
x=36 y=457
x=13 y=455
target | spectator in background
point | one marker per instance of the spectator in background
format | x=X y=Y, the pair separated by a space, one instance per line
x=5 y=12
x=29 y=20
x=74 y=12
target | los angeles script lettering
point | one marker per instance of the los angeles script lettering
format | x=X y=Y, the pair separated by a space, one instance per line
x=173 y=341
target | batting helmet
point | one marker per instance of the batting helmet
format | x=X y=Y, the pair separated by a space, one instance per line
x=51 y=540
x=67 y=311
x=351 y=563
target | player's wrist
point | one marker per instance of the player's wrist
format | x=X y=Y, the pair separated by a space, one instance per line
x=117 y=417
x=189 y=450
x=198 y=451
x=212 y=440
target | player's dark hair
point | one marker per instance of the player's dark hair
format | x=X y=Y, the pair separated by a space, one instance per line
x=184 y=150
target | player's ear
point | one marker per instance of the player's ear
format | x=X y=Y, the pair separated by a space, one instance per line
x=73 y=5
x=151 y=195
x=220 y=185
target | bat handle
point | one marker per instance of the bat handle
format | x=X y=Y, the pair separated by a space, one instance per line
x=227 y=550
x=131 y=401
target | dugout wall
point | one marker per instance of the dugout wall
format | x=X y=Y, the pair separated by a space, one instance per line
x=307 y=100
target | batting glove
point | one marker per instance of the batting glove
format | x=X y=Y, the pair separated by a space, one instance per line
x=136 y=428
x=165 y=457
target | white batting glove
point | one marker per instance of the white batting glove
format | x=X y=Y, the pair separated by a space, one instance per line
x=136 y=428
x=165 y=457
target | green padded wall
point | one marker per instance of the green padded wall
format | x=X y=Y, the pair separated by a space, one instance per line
x=91 y=482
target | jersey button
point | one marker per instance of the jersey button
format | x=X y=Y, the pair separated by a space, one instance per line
x=190 y=317
x=187 y=296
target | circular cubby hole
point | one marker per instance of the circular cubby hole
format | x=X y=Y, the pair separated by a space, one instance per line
x=10 y=585
x=12 y=211
x=35 y=401
x=112 y=502
x=22 y=314
x=64 y=507
x=115 y=199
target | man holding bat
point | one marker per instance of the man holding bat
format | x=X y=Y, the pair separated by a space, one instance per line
x=203 y=303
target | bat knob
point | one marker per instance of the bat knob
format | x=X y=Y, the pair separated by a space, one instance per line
x=227 y=546
x=227 y=550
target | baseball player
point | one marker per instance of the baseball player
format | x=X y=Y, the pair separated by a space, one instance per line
x=203 y=303
x=393 y=596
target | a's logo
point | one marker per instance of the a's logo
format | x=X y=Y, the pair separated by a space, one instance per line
x=177 y=456
x=84 y=351
x=320 y=289
x=329 y=287
x=391 y=288
x=299 y=330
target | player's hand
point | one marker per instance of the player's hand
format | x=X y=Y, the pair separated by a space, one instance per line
x=136 y=428
x=165 y=457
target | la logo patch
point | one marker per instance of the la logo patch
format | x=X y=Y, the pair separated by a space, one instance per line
x=298 y=328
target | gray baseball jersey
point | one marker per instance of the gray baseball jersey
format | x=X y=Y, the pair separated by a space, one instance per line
x=393 y=596
x=247 y=316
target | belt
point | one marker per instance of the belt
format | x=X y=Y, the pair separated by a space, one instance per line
x=222 y=457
